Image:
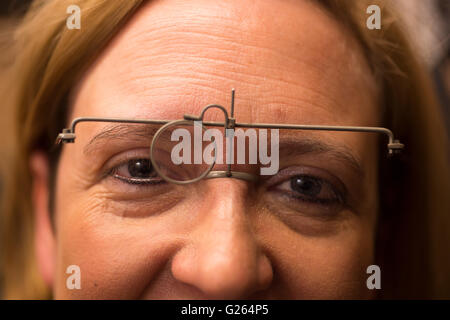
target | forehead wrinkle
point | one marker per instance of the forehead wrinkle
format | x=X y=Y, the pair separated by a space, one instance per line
x=183 y=50
x=221 y=64
x=153 y=69
x=206 y=78
x=187 y=26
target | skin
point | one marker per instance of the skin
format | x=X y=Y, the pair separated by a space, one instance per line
x=290 y=62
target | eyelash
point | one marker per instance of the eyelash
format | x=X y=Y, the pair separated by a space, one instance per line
x=337 y=197
x=335 y=191
x=134 y=181
x=113 y=166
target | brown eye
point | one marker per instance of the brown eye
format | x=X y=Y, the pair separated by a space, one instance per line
x=307 y=186
x=311 y=189
x=136 y=171
x=140 y=168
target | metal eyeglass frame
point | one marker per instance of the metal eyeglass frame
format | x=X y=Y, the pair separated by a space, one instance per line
x=68 y=136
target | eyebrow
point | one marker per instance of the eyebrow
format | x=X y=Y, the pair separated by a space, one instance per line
x=119 y=132
x=339 y=152
x=293 y=145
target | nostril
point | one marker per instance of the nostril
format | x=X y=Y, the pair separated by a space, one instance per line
x=224 y=281
x=233 y=273
x=265 y=273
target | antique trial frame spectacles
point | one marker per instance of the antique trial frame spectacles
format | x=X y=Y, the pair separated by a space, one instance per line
x=68 y=136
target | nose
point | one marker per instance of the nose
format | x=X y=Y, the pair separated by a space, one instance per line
x=223 y=259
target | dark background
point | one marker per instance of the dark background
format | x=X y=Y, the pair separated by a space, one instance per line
x=7 y=7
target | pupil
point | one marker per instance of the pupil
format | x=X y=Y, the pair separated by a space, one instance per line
x=306 y=185
x=140 y=168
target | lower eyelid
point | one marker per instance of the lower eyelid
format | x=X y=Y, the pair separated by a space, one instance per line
x=323 y=183
x=296 y=210
x=137 y=181
x=323 y=175
x=318 y=201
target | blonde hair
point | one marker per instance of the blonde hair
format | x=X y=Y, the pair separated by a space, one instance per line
x=50 y=59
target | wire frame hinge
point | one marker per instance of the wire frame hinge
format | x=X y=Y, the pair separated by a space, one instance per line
x=66 y=136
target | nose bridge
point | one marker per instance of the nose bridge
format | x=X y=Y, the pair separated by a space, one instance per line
x=226 y=204
x=226 y=226
x=224 y=259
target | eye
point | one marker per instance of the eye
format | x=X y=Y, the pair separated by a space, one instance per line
x=310 y=189
x=139 y=168
x=136 y=171
x=305 y=185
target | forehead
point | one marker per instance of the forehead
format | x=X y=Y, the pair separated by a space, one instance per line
x=289 y=61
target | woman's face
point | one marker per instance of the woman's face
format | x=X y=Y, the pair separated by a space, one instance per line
x=290 y=62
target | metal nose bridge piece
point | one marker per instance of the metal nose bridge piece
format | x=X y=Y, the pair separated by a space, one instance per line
x=229 y=123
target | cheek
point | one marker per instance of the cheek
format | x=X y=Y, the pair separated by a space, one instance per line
x=332 y=267
x=117 y=257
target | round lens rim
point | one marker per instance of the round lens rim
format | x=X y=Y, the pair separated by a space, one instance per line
x=156 y=136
